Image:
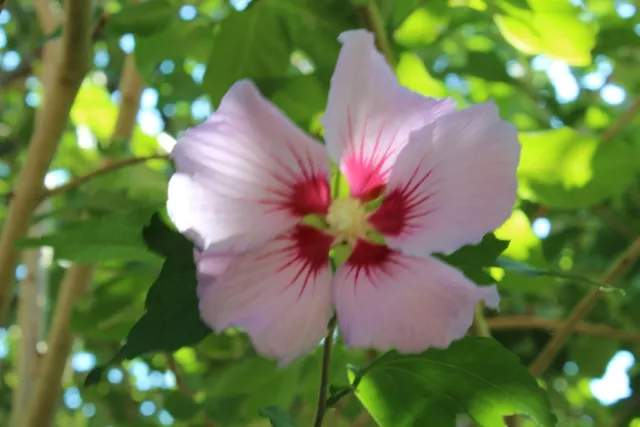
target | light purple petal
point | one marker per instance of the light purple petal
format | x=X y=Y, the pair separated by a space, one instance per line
x=280 y=294
x=387 y=300
x=454 y=182
x=369 y=116
x=245 y=175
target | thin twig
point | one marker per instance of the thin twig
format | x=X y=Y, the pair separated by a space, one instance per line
x=553 y=347
x=182 y=386
x=101 y=171
x=324 y=374
x=535 y=322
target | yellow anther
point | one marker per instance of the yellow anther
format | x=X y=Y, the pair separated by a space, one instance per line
x=347 y=219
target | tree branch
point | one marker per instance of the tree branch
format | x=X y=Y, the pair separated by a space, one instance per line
x=72 y=65
x=131 y=86
x=45 y=400
x=101 y=171
x=32 y=290
x=534 y=322
x=553 y=347
x=31 y=319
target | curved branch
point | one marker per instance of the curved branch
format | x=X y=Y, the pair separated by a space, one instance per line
x=101 y=171
x=553 y=347
x=535 y=322
x=72 y=65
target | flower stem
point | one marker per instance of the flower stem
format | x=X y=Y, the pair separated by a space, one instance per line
x=324 y=374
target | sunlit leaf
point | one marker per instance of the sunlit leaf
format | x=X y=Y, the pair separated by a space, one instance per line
x=475 y=376
x=413 y=74
x=551 y=28
x=566 y=169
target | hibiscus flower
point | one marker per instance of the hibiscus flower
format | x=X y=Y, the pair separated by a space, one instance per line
x=253 y=192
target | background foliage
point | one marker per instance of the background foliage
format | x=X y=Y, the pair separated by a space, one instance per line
x=564 y=72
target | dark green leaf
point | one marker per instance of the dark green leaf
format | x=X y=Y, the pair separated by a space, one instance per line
x=176 y=41
x=277 y=416
x=314 y=26
x=114 y=237
x=142 y=18
x=181 y=406
x=474 y=259
x=172 y=319
x=250 y=44
x=475 y=376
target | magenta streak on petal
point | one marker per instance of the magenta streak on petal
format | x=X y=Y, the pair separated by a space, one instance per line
x=369 y=258
x=401 y=206
x=303 y=198
x=308 y=252
x=365 y=174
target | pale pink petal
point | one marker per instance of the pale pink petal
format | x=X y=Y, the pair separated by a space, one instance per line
x=386 y=300
x=209 y=266
x=280 y=294
x=369 y=115
x=454 y=182
x=245 y=175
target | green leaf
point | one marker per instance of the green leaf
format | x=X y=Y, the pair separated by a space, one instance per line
x=413 y=74
x=172 y=319
x=254 y=384
x=277 y=416
x=565 y=169
x=301 y=98
x=314 y=26
x=420 y=26
x=524 y=247
x=142 y=18
x=180 y=406
x=474 y=259
x=250 y=44
x=592 y=354
x=550 y=27
x=113 y=237
x=178 y=40
x=486 y=65
x=474 y=376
